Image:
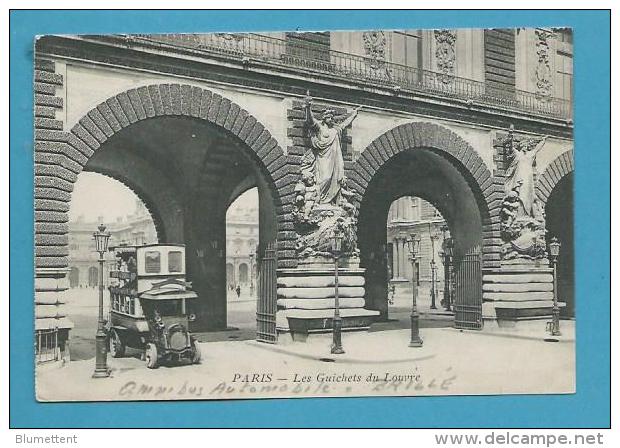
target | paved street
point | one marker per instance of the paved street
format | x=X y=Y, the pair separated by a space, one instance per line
x=375 y=363
x=82 y=308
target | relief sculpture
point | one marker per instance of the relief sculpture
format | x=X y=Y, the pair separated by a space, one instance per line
x=543 y=73
x=375 y=47
x=445 y=55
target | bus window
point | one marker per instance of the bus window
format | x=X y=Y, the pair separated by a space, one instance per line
x=175 y=261
x=172 y=307
x=152 y=264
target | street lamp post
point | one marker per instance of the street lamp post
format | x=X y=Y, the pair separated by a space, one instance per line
x=445 y=302
x=414 y=248
x=101 y=238
x=252 y=274
x=337 y=320
x=434 y=237
x=447 y=267
x=554 y=251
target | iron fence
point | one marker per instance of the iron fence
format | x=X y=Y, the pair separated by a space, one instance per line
x=46 y=345
x=468 y=291
x=266 y=305
x=249 y=48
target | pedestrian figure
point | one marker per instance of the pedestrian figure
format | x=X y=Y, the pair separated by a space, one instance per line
x=392 y=293
x=238 y=291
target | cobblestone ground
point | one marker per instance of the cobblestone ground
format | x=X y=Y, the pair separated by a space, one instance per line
x=375 y=363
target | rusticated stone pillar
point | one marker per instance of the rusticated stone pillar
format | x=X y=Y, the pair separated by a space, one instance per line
x=56 y=168
x=205 y=242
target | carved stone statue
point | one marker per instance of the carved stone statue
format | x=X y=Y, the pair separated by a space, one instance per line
x=322 y=201
x=523 y=220
x=326 y=138
x=520 y=173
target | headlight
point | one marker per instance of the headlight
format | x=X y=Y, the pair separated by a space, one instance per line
x=191 y=317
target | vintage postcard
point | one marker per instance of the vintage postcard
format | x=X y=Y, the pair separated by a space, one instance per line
x=304 y=214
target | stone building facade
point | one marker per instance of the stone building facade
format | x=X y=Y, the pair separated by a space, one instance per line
x=136 y=228
x=408 y=216
x=439 y=114
x=241 y=246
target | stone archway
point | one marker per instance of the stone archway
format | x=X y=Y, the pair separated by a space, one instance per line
x=147 y=183
x=554 y=188
x=164 y=231
x=60 y=156
x=561 y=166
x=428 y=161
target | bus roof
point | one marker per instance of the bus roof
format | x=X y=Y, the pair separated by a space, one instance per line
x=133 y=248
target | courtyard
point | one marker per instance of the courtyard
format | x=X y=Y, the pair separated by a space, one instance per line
x=82 y=310
x=377 y=362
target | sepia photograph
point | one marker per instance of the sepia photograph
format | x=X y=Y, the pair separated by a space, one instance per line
x=304 y=214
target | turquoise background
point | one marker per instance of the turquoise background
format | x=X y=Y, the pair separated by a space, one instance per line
x=589 y=407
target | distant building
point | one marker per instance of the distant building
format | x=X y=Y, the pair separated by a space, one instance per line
x=411 y=215
x=241 y=242
x=137 y=228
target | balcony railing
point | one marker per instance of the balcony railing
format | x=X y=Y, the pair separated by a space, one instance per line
x=248 y=48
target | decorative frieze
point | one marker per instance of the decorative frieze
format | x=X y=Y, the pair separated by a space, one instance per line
x=445 y=55
x=543 y=74
x=375 y=48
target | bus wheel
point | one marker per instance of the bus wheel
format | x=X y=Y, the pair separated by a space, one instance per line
x=151 y=356
x=195 y=354
x=117 y=346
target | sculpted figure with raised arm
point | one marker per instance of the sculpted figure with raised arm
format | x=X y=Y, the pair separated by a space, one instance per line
x=326 y=140
x=323 y=201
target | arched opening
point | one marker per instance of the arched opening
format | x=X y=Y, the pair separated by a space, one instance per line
x=187 y=171
x=243 y=274
x=99 y=199
x=559 y=213
x=435 y=178
x=242 y=232
x=409 y=216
